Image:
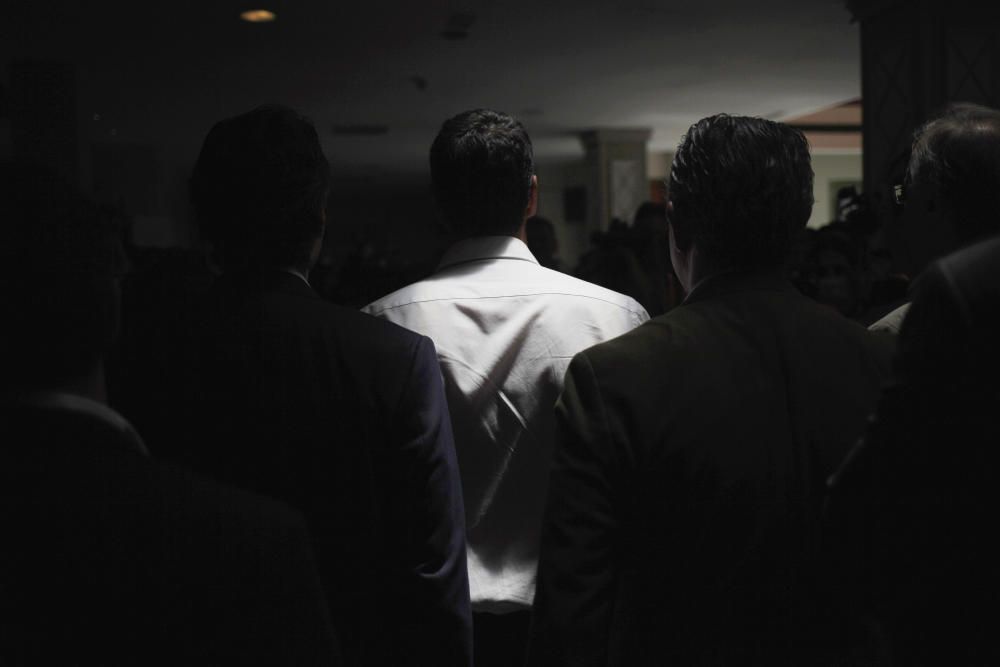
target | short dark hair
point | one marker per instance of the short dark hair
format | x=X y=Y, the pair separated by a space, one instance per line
x=59 y=263
x=481 y=169
x=957 y=155
x=740 y=189
x=259 y=188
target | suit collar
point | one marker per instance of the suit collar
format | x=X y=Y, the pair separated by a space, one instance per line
x=276 y=279
x=729 y=282
x=482 y=248
x=74 y=407
x=298 y=274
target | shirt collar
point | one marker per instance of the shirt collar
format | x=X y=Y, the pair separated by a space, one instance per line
x=481 y=248
x=55 y=400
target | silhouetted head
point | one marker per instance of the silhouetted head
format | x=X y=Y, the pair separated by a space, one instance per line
x=482 y=170
x=739 y=189
x=540 y=236
x=59 y=264
x=952 y=186
x=259 y=189
x=650 y=213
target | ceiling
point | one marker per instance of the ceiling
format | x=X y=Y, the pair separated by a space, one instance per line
x=161 y=74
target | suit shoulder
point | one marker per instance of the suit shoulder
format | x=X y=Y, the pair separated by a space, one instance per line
x=404 y=296
x=367 y=334
x=206 y=503
x=972 y=275
x=155 y=497
x=638 y=346
x=977 y=258
x=697 y=333
x=876 y=339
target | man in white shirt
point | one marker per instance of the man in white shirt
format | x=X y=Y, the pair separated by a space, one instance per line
x=505 y=329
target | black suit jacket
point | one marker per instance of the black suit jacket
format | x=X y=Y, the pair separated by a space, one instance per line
x=111 y=558
x=265 y=385
x=688 y=479
x=909 y=511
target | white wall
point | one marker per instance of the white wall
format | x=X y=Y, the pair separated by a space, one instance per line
x=658 y=165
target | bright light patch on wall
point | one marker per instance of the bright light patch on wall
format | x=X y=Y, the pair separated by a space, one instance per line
x=258 y=16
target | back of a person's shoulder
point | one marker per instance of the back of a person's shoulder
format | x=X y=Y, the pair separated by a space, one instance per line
x=975 y=268
x=829 y=342
x=563 y=284
x=158 y=495
x=824 y=318
x=358 y=334
x=820 y=332
x=964 y=289
x=204 y=504
x=708 y=333
x=141 y=548
x=372 y=336
x=429 y=289
x=212 y=534
x=657 y=346
x=531 y=282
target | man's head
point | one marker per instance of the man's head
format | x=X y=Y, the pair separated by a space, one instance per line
x=952 y=184
x=739 y=189
x=59 y=264
x=260 y=187
x=482 y=169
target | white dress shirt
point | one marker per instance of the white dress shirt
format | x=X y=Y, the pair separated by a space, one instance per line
x=505 y=329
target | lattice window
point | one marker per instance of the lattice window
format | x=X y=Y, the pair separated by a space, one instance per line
x=970 y=67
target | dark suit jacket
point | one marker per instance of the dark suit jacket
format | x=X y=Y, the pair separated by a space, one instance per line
x=910 y=509
x=688 y=479
x=265 y=385
x=111 y=558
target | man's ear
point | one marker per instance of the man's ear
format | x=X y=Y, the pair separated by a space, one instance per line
x=681 y=240
x=532 y=208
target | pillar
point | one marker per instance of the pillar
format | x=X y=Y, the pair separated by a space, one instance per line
x=616 y=174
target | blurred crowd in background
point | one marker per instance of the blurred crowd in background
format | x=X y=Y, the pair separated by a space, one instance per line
x=845 y=264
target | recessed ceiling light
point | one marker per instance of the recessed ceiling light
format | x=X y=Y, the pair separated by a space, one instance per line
x=258 y=16
x=458 y=25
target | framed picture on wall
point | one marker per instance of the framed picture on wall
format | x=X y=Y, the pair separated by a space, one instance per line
x=840 y=196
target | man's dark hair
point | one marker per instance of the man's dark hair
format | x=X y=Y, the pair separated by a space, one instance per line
x=259 y=188
x=59 y=264
x=957 y=156
x=740 y=189
x=481 y=169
